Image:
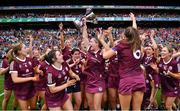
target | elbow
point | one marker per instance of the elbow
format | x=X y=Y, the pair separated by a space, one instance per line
x=52 y=89
x=14 y=80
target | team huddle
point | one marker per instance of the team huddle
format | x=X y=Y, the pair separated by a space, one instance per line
x=101 y=73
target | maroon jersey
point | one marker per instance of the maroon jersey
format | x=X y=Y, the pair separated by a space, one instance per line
x=113 y=66
x=149 y=70
x=76 y=68
x=95 y=72
x=66 y=53
x=24 y=68
x=35 y=61
x=56 y=77
x=169 y=84
x=41 y=84
x=147 y=60
x=129 y=62
x=8 y=83
x=44 y=66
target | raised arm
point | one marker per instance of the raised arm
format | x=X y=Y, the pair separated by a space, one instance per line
x=42 y=57
x=176 y=54
x=100 y=34
x=154 y=45
x=133 y=18
x=30 y=45
x=61 y=36
x=85 y=34
x=152 y=40
x=110 y=36
x=107 y=51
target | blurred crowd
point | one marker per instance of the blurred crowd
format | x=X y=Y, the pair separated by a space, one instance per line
x=44 y=38
x=57 y=14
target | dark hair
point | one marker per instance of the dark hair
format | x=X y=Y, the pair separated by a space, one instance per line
x=74 y=50
x=51 y=56
x=133 y=38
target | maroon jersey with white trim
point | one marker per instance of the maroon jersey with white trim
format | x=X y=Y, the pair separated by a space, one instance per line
x=66 y=53
x=57 y=77
x=24 y=70
x=168 y=83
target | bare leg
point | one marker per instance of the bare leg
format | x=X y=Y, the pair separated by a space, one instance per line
x=97 y=101
x=137 y=100
x=7 y=95
x=78 y=100
x=90 y=100
x=125 y=101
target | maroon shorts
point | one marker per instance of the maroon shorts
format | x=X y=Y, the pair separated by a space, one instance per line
x=132 y=84
x=40 y=86
x=96 y=87
x=56 y=102
x=26 y=96
x=113 y=82
x=8 y=85
x=172 y=93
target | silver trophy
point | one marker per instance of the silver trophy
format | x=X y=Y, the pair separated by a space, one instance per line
x=90 y=17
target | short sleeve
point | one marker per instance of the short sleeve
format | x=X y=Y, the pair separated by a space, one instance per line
x=13 y=67
x=4 y=63
x=50 y=79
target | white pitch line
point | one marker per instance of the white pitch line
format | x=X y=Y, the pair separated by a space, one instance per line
x=1 y=94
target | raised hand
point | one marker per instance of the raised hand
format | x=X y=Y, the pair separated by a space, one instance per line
x=154 y=66
x=99 y=34
x=84 y=20
x=31 y=38
x=61 y=26
x=132 y=16
x=77 y=61
x=108 y=31
x=152 y=33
